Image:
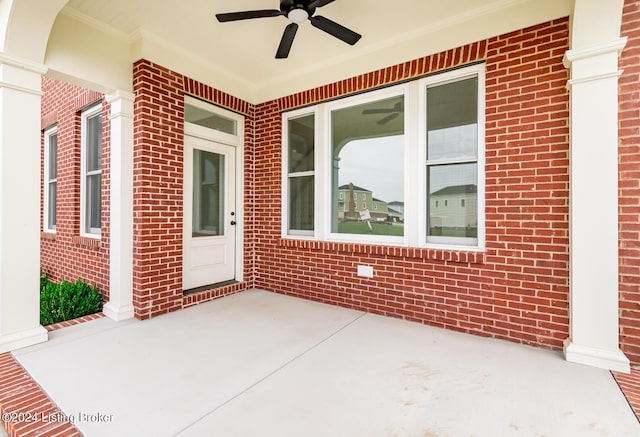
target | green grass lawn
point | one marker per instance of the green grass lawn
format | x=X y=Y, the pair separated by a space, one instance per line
x=379 y=228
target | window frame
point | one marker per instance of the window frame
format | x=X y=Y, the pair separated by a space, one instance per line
x=478 y=243
x=85 y=229
x=47 y=180
x=415 y=165
x=291 y=115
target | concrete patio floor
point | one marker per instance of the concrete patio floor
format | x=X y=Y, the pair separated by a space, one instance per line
x=261 y=364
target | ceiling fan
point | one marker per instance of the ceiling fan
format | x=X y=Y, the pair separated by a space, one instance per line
x=296 y=11
x=394 y=112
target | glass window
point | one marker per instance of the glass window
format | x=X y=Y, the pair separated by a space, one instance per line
x=452 y=154
x=208 y=196
x=50 y=178
x=301 y=174
x=91 y=183
x=202 y=117
x=355 y=164
x=368 y=161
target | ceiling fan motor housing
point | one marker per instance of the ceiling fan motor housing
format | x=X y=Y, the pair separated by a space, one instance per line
x=289 y=6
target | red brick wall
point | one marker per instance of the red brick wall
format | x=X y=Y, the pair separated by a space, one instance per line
x=518 y=289
x=158 y=176
x=66 y=255
x=629 y=184
x=158 y=188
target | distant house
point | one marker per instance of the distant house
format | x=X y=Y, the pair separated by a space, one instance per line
x=396 y=210
x=456 y=206
x=352 y=199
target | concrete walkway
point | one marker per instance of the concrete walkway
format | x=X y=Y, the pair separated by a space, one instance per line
x=262 y=364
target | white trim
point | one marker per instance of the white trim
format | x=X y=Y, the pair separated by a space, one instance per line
x=478 y=243
x=612 y=75
x=195 y=130
x=11 y=342
x=87 y=113
x=120 y=305
x=23 y=63
x=592 y=51
x=592 y=356
x=347 y=102
x=22 y=89
x=48 y=133
x=285 y=231
x=236 y=141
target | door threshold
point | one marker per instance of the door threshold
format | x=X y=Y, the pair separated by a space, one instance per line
x=208 y=287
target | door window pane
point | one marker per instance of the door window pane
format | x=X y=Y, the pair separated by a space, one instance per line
x=368 y=167
x=208 y=195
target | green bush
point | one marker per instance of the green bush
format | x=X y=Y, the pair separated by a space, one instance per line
x=67 y=300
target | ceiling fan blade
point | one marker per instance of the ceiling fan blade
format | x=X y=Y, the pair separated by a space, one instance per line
x=286 y=41
x=378 y=111
x=335 y=29
x=247 y=15
x=388 y=118
x=319 y=3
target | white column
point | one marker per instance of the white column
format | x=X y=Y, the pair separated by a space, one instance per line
x=20 y=85
x=120 y=305
x=594 y=207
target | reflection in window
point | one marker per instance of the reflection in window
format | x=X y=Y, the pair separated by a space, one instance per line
x=301 y=174
x=92 y=169
x=452 y=153
x=368 y=164
x=50 y=178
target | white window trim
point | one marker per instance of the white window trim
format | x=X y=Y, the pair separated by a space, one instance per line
x=324 y=178
x=415 y=196
x=440 y=79
x=48 y=133
x=87 y=113
x=297 y=233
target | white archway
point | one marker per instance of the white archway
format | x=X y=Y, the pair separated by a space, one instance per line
x=25 y=41
x=593 y=60
x=25 y=31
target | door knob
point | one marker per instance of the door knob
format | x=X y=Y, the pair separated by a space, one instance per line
x=233 y=222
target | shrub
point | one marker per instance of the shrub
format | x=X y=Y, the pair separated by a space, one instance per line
x=67 y=300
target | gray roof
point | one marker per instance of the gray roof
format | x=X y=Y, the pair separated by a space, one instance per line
x=456 y=189
x=355 y=188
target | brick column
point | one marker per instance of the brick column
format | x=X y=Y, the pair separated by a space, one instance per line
x=19 y=203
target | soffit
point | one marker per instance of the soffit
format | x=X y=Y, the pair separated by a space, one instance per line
x=243 y=52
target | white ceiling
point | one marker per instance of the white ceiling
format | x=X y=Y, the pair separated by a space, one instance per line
x=392 y=32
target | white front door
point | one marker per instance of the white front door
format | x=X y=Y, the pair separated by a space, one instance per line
x=209 y=213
